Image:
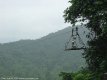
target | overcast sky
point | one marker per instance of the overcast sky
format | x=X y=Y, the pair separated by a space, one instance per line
x=30 y=19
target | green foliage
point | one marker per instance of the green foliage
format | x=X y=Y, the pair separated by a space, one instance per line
x=66 y=76
x=80 y=75
x=83 y=75
x=95 y=13
x=92 y=10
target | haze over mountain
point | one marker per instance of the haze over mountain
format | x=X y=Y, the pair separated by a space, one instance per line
x=30 y=19
x=43 y=58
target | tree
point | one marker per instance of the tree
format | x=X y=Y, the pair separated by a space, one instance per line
x=92 y=13
x=66 y=76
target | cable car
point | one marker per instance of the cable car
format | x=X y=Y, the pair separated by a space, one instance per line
x=75 y=42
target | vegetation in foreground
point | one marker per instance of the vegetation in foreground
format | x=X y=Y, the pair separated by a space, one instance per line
x=93 y=14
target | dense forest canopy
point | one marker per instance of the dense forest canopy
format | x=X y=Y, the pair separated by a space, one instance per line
x=44 y=58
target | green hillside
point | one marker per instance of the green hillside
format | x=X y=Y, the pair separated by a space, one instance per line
x=43 y=58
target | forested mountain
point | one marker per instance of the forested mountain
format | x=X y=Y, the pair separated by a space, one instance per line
x=43 y=58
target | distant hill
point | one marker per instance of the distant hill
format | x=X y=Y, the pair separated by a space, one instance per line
x=43 y=58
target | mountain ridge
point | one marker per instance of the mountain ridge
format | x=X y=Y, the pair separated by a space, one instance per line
x=44 y=58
